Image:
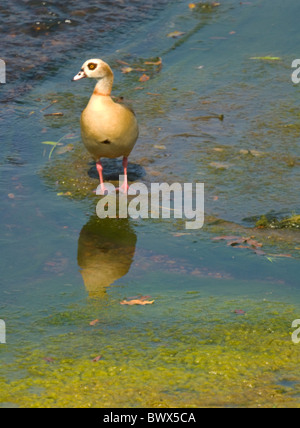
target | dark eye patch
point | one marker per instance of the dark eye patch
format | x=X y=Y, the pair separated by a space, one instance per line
x=92 y=66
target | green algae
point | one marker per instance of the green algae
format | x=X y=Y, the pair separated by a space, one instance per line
x=267 y=221
x=214 y=359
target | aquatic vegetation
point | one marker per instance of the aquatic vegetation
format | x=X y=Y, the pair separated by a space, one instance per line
x=215 y=358
x=269 y=221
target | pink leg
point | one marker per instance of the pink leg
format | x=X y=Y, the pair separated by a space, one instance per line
x=124 y=188
x=102 y=186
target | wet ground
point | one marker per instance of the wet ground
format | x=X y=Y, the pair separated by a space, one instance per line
x=219 y=107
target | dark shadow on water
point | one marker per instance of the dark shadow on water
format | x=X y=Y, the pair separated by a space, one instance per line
x=106 y=249
x=112 y=169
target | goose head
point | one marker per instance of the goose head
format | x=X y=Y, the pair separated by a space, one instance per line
x=94 y=69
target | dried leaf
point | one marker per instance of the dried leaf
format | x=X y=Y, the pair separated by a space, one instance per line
x=53 y=102
x=254 y=243
x=126 y=70
x=68 y=136
x=122 y=62
x=239 y=312
x=259 y=252
x=256 y=153
x=159 y=62
x=175 y=34
x=96 y=359
x=236 y=242
x=144 y=78
x=137 y=301
x=64 y=194
x=48 y=359
x=282 y=255
x=53 y=114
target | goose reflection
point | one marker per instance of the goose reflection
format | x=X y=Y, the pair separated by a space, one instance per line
x=106 y=249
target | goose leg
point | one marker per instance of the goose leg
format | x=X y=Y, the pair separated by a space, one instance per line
x=101 y=189
x=124 y=188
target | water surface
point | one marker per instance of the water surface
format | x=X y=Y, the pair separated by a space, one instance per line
x=219 y=331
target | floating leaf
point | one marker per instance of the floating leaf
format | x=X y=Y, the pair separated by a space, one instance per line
x=126 y=70
x=50 y=143
x=122 y=62
x=64 y=194
x=175 y=34
x=53 y=114
x=53 y=102
x=69 y=136
x=159 y=62
x=254 y=243
x=144 y=78
x=242 y=242
x=48 y=359
x=282 y=255
x=266 y=58
x=236 y=242
x=96 y=359
x=138 y=301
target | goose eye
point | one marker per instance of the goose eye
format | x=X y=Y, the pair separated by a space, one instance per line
x=92 y=66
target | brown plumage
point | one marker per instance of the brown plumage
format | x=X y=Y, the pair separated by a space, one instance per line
x=108 y=129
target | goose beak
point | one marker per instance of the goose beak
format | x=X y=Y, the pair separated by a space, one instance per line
x=80 y=75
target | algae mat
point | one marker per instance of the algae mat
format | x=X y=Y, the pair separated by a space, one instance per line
x=220 y=359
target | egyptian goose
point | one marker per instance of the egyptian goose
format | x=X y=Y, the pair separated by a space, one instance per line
x=108 y=129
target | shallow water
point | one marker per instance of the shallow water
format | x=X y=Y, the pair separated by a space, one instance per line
x=219 y=331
